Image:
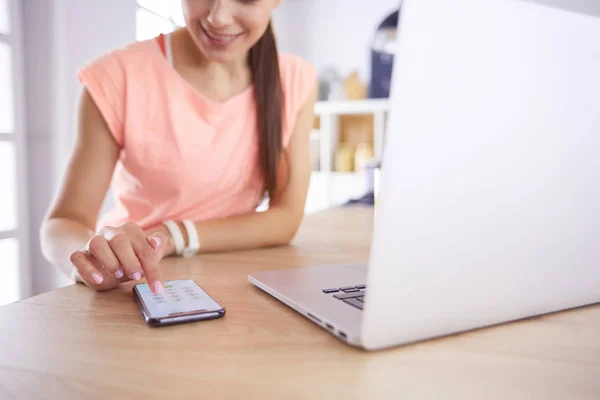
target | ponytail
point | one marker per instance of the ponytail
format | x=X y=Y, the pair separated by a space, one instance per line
x=263 y=59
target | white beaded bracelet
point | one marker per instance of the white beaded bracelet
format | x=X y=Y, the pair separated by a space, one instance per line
x=193 y=240
x=176 y=235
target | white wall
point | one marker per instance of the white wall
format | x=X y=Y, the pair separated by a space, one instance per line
x=334 y=33
x=60 y=36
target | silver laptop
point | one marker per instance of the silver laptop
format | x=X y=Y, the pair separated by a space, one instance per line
x=490 y=196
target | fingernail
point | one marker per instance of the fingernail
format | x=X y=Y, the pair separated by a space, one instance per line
x=136 y=276
x=158 y=287
x=119 y=274
x=97 y=278
x=156 y=241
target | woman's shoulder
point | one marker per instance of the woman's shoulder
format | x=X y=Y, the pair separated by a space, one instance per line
x=293 y=67
x=130 y=55
x=141 y=49
x=298 y=78
x=107 y=77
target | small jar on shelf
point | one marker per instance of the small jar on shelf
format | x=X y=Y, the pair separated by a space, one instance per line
x=362 y=155
x=344 y=158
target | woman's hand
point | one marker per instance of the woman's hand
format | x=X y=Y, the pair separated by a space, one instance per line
x=119 y=254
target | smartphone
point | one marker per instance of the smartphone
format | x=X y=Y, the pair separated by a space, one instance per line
x=182 y=301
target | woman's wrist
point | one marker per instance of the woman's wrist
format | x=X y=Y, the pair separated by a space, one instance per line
x=170 y=249
x=170 y=245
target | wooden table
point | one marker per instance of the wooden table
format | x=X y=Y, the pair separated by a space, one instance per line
x=74 y=343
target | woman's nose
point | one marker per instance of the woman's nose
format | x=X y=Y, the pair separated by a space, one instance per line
x=220 y=15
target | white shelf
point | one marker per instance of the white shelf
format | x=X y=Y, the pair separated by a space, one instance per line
x=330 y=112
x=331 y=189
x=349 y=107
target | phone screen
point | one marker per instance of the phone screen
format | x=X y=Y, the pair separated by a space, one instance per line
x=181 y=296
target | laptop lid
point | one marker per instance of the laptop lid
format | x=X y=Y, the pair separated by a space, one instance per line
x=490 y=200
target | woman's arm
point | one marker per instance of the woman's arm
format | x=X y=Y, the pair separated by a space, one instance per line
x=71 y=220
x=115 y=254
x=279 y=224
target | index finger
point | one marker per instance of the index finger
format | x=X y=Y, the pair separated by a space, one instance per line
x=149 y=252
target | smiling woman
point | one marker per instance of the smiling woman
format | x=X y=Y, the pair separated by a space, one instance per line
x=193 y=129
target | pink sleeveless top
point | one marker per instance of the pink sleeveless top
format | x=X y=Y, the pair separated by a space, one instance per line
x=183 y=155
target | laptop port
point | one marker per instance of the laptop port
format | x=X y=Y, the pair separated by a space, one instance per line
x=329 y=326
x=342 y=334
x=313 y=317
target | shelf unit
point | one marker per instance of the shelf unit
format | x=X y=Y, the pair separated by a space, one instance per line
x=329 y=113
x=329 y=188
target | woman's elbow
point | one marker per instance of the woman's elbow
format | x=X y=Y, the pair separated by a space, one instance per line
x=44 y=234
x=285 y=239
x=289 y=232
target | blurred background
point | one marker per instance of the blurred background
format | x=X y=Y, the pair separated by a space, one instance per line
x=43 y=43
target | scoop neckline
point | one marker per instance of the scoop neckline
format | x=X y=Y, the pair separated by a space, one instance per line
x=189 y=87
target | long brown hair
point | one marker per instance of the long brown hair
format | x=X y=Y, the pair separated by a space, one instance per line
x=263 y=59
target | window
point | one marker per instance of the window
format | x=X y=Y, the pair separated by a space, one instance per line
x=157 y=16
x=4 y=19
x=11 y=236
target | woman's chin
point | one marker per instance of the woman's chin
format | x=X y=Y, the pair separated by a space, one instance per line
x=219 y=55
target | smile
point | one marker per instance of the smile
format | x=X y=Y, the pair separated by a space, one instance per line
x=220 y=40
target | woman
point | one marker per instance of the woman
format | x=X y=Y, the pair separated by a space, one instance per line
x=194 y=128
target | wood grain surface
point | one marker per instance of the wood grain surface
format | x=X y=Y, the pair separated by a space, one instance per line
x=73 y=343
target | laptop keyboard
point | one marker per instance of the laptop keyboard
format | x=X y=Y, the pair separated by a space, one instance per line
x=351 y=295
